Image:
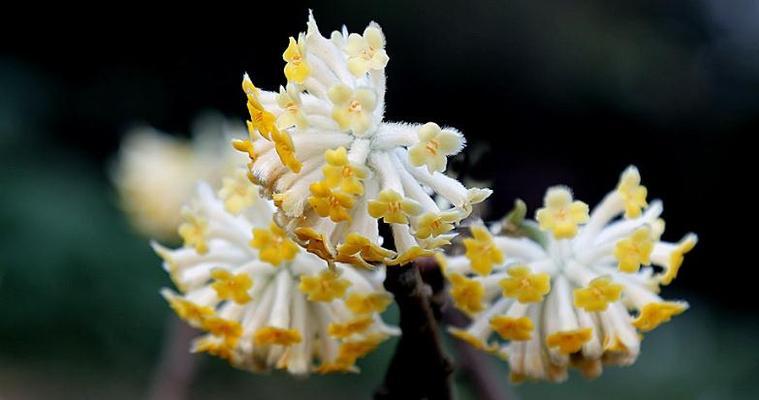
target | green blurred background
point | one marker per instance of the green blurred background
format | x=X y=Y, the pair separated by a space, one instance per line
x=547 y=92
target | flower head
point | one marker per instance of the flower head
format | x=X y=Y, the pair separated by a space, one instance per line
x=265 y=304
x=578 y=296
x=336 y=169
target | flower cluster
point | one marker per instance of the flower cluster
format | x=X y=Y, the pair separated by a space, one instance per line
x=155 y=173
x=263 y=302
x=579 y=295
x=321 y=150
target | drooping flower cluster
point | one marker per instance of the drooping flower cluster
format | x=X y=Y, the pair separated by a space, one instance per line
x=321 y=150
x=263 y=302
x=156 y=174
x=581 y=295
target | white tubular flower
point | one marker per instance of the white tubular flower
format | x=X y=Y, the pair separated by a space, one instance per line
x=334 y=168
x=155 y=173
x=263 y=302
x=581 y=296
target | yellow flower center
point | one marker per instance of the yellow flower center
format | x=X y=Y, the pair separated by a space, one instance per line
x=355 y=106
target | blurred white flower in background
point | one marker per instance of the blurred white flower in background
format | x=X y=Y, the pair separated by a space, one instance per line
x=156 y=173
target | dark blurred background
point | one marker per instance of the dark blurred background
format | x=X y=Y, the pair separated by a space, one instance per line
x=546 y=92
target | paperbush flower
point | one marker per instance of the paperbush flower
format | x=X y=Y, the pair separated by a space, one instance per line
x=580 y=296
x=322 y=151
x=155 y=173
x=263 y=302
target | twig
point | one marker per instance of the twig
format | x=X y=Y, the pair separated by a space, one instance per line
x=174 y=373
x=419 y=368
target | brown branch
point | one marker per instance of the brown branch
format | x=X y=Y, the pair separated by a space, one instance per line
x=176 y=368
x=419 y=369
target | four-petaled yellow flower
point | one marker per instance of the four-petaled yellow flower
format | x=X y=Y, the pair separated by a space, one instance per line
x=366 y=52
x=482 y=251
x=193 y=231
x=525 y=286
x=635 y=250
x=560 y=214
x=571 y=341
x=353 y=108
x=273 y=245
x=326 y=286
x=329 y=203
x=435 y=224
x=297 y=69
x=340 y=174
x=511 y=328
x=632 y=192
x=467 y=293
x=600 y=292
x=237 y=192
x=433 y=147
x=229 y=286
x=288 y=99
x=393 y=208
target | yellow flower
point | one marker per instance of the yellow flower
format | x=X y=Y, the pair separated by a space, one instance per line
x=366 y=52
x=296 y=69
x=598 y=295
x=279 y=336
x=677 y=257
x=326 y=286
x=265 y=123
x=261 y=120
x=511 y=328
x=393 y=208
x=329 y=203
x=229 y=330
x=357 y=245
x=560 y=214
x=353 y=108
x=435 y=224
x=632 y=192
x=368 y=303
x=273 y=245
x=526 y=286
x=467 y=293
x=229 y=286
x=571 y=341
x=482 y=251
x=193 y=231
x=344 y=330
x=314 y=242
x=433 y=147
x=634 y=251
x=194 y=314
x=654 y=314
x=289 y=101
x=237 y=192
x=340 y=174
x=283 y=145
